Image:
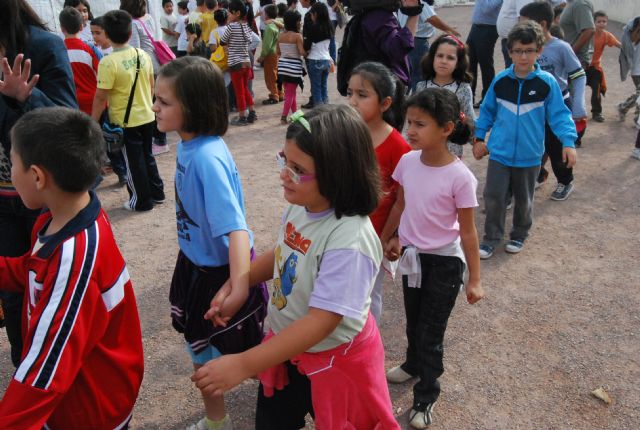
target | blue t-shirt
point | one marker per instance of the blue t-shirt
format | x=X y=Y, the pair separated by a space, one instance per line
x=209 y=200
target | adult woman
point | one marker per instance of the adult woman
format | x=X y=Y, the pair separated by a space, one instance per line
x=44 y=79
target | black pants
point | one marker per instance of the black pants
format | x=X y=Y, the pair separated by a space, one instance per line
x=143 y=180
x=594 y=80
x=427 y=310
x=482 y=42
x=505 y=53
x=553 y=148
x=288 y=407
x=16 y=223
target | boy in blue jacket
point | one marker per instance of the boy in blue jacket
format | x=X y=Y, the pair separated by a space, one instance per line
x=517 y=105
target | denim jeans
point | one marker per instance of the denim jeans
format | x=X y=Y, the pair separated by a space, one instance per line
x=427 y=311
x=16 y=223
x=319 y=75
x=420 y=49
x=332 y=44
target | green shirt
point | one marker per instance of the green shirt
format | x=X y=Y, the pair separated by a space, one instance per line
x=270 y=40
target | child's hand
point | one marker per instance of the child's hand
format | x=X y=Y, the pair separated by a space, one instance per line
x=392 y=249
x=475 y=292
x=220 y=375
x=217 y=303
x=479 y=149
x=15 y=82
x=569 y=157
x=232 y=304
x=260 y=60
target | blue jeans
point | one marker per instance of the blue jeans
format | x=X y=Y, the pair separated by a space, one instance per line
x=420 y=49
x=319 y=75
x=332 y=43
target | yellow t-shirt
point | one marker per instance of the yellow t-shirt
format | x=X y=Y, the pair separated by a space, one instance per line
x=207 y=24
x=116 y=73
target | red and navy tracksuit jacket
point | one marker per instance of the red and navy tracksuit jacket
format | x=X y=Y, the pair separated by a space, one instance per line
x=82 y=362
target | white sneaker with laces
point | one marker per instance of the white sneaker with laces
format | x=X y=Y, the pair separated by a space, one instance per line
x=421 y=419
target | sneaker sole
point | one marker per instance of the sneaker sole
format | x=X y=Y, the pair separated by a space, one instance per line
x=512 y=250
x=561 y=199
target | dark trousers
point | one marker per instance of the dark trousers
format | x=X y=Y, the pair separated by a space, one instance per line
x=482 y=42
x=16 y=224
x=143 y=179
x=553 y=148
x=288 y=407
x=594 y=80
x=505 y=54
x=427 y=311
x=500 y=181
x=420 y=49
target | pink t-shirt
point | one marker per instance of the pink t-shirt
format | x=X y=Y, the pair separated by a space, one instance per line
x=432 y=197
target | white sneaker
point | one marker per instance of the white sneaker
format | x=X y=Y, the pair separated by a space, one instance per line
x=635 y=153
x=421 y=419
x=396 y=375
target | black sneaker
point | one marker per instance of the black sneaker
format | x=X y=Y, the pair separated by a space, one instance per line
x=597 y=117
x=252 y=117
x=562 y=192
x=239 y=120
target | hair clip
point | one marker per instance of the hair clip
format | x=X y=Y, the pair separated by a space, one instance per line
x=298 y=116
x=456 y=40
x=462 y=116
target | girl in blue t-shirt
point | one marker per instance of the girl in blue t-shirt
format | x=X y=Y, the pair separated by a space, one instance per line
x=215 y=242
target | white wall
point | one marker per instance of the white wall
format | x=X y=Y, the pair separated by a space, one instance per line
x=619 y=10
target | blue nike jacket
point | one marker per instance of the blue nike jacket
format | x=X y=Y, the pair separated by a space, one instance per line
x=515 y=110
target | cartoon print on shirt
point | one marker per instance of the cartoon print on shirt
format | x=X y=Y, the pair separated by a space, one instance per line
x=283 y=284
x=183 y=219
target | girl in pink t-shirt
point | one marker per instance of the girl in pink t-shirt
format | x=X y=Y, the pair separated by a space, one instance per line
x=378 y=96
x=434 y=209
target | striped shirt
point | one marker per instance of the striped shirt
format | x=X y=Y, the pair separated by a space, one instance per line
x=237 y=37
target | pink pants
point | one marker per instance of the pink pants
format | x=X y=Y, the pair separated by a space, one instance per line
x=240 y=82
x=289 y=98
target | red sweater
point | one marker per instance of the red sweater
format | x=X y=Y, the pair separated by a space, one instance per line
x=84 y=64
x=82 y=361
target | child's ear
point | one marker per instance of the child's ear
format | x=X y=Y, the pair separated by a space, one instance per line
x=40 y=176
x=448 y=128
x=386 y=104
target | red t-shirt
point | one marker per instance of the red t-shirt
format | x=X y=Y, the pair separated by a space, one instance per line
x=388 y=154
x=84 y=64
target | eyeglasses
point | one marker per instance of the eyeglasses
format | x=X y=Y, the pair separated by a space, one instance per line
x=528 y=52
x=295 y=177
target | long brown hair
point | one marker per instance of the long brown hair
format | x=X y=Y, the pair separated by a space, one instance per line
x=15 y=19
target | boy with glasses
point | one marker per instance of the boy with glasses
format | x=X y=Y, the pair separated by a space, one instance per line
x=517 y=105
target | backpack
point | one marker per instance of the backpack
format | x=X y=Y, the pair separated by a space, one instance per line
x=353 y=52
x=219 y=57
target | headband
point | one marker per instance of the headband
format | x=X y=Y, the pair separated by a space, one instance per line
x=456 y=40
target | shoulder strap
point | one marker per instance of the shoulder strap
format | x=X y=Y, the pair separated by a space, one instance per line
x=146 y=30
x=133 y=90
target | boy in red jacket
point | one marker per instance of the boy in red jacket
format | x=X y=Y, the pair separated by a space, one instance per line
x=82 y=360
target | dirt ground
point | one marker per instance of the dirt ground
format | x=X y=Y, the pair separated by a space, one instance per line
x=560 y=319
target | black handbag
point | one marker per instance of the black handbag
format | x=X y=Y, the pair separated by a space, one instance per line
x=113 y=134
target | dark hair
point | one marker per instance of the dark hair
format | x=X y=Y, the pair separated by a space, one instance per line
x=65 y=142
x=199 y=86
x=15 y=19
x=221 y=16
x=290 y=2
x=193 y=28
x=211 y=4
x=526 y=32
x=70 y=20
x=557 y=11
x=538 y=11
x=345 y=162
x=556 y=31
x=182 y=5
x=271 y=11
x=223 y=4
x=599 y=13
x=443 y=106
x=291 y=20
x=117 y=26
x=137 y=8
x=199 y=2
x=166 y=1
x=238 y=6
x=322 y=18
x=385 y=84
x=98 y=22
x=76 y=3
x=282 y=9
x=461 y=72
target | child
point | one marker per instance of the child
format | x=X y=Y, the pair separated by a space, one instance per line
x=196 y=45
x=238 y=39
x=82 y=362
x=215 y=242
x=84 y=8
x=630 y=64
x=99 y=37
x=519 y=102
x=168 y=22
x=221 y=16
x=290 y=67
x=324 y=352
x=447 y=66
x=181 y=28
x=316 y=43
x=438 y=233
x=378 y=95
x=557 y=58
x=595 y=73
x=84 y=61
x=268 y=56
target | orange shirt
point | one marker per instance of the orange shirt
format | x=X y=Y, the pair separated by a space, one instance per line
x=600 y=40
